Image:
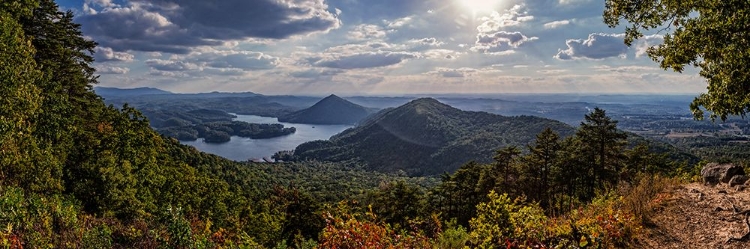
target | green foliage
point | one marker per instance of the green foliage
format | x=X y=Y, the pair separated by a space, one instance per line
x=221 y=131
x=23 y=158
x=501 y=222
x=397 y=203
x=350 y=230
x=708 y=34
x=453 y=237
x=98 y=237
x=458 y=194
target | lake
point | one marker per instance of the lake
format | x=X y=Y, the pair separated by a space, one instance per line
x=241 y=149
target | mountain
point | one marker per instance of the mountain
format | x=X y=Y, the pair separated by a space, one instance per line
x=330 y=110
x=426 y=137
x=119 y=92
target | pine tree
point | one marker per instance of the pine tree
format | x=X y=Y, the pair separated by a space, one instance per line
x=539 y=164
x=601 y=149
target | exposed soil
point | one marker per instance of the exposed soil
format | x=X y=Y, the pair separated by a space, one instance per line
x=697 y=216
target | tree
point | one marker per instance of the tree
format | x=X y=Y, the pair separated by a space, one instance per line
x=503 y=223
x=539 y=164
x=397 y=203
x=505 y=169
x=709 y=34
x=601 y=149
x=458 y=194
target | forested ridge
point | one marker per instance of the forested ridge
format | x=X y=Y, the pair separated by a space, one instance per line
x=76 y=173
x=426 y=137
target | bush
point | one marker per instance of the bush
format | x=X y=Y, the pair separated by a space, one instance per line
x=646 y=193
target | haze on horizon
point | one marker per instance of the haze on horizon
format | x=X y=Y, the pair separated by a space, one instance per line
x=360 y=47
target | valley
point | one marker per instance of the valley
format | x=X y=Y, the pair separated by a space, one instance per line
x=413 y=124
x=662 y=118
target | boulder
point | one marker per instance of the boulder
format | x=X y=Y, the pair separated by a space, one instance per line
x=738 y=180
x=714 y=173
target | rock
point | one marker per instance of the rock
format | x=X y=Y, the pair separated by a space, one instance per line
x=714 y=173
x=738 y=180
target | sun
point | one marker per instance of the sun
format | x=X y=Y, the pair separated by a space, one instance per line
x=480 y=5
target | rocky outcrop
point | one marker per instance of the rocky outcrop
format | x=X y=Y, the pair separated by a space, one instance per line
x=714 y=173
x=738 y=180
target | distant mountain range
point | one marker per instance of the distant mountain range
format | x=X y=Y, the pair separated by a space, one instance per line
x=330 y=110
x=119 y=92
x=426 y=137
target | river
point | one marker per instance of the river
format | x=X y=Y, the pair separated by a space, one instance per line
x=241 y=149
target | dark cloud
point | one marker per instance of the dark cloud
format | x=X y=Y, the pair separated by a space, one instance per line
x=176 y=26
x=595 y=47
x=365 y=60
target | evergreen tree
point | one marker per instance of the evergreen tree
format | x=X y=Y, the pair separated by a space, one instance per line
x=601 y=149
x=539 y=164
x=20 y=102
x=506 y=170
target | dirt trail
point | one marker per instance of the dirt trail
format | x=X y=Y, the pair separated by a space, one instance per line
x=697 y=216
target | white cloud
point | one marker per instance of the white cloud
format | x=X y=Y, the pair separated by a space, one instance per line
x=496 y=22
x=112 y=70
x=442 y=54
x=103 y=54
x=644 y=43
x=244 y=60
x=500 y=41
x=595 y=47
x=556 y=24
x=400 y=22
x=365 y=60
x=170 y=65
x=427 y=42
x=570 y=2
x=454 y=72
x=366 y=32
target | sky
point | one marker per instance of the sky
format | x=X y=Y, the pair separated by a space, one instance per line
x=370 y=47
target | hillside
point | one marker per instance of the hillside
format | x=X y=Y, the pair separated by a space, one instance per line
x=426 y=137
x=123 y=92
x=330 y=110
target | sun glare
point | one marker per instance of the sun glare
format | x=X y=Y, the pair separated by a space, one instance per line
x=480 y=5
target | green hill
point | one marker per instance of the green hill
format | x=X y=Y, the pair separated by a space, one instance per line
x=426 y=137
x=330 y=110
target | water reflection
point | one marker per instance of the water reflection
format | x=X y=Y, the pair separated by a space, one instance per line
x=242 y=149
